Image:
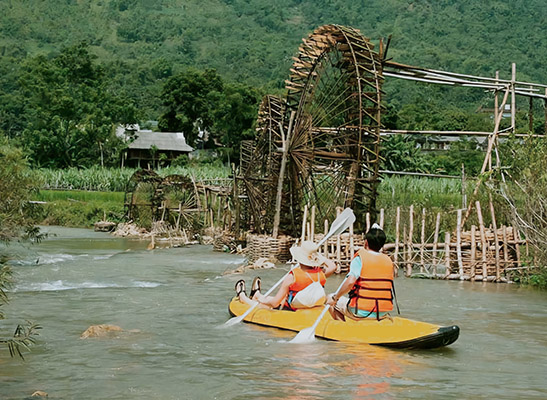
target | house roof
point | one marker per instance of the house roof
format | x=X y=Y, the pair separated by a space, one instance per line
x=174 y=141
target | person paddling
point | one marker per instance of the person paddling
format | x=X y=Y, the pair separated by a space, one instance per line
x=301 y=288
x=369 y=282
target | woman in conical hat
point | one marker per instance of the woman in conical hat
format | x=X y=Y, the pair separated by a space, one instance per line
x=312 y=267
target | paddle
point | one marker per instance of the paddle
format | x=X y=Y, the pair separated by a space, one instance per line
x=307 y=335
x=340 y=224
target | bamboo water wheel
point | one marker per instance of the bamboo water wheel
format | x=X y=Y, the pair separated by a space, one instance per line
x=174 y=200
x=140 y=201
x=330 y=121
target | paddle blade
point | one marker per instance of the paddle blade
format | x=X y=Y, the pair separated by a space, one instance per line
x=304 y=336
x=340 y=224
x=234 y=320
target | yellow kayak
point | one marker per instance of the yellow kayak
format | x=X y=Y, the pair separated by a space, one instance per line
x=396 y=332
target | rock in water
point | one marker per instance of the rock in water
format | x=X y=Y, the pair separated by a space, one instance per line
x=100 y=331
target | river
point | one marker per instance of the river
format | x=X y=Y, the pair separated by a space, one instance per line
x=171 y=303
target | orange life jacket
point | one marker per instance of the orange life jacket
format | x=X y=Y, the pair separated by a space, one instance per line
x=372 y=291
x=302 y=279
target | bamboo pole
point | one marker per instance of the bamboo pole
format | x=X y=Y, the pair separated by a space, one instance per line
x=162 y=210
x=483 y=241
x=459 y=243
x=409 y=243
x=312 y=223
x=396 y=254
x=422 y=245
x=368 y=221
x=516 y=238
x=447 y=253
x=496 y=242
x=464 y=196
x=435 y=240
x=513 y=96
x=407 y=253
x=279 y=195
x=491 y=139
x=531 y=115
x=505 y=248
x=496 y=98
x=382 y=218
x=304 y=220
x=473 y=251
x=177 y=225
x=219 y=207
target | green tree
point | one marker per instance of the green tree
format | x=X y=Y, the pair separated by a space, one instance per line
x=15 y=187
x=191 y=98
x=201 y=102
x=236 y=115
x=69 y=113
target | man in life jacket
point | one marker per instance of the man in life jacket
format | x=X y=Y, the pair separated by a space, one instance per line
x=369 y=282
x=312 y=268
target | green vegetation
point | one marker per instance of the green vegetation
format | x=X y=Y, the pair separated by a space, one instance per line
x=196 y=65
x=77 y=208
x=525 y=196
x=115 y=179
x=15 y=188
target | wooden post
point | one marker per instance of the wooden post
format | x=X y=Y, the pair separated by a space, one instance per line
x=496 y=242
x=422 y=246
x=162 y=210
x=212 y=221
x=505 y=248
x=464 y=195
x=484 y=247
x=531 y=114
x=304 y=221
x=410 y=234
x=219 y=207
x=459 y=244
x=236 y=201
x=513 y=96
x=516 y=237
x=473 y=251
x=435 y=241
x=396 y=253
x=447 y=253
x=382 y=218
x=286 y=141
x=312 y=224
x=177 y=225
x=405 y=250
x=496 y=99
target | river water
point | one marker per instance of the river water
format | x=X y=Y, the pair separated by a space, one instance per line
x=171 y=303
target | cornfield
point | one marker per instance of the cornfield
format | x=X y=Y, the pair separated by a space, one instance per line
x=115 y=179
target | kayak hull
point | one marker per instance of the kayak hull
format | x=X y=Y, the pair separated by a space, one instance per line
x=396 y=332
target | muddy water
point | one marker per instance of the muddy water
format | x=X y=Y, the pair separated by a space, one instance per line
x=170 y=302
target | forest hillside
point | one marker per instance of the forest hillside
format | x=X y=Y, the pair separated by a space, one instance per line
x=252 y=41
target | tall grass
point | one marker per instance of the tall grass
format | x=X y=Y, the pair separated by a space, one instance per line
x=115 y=179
